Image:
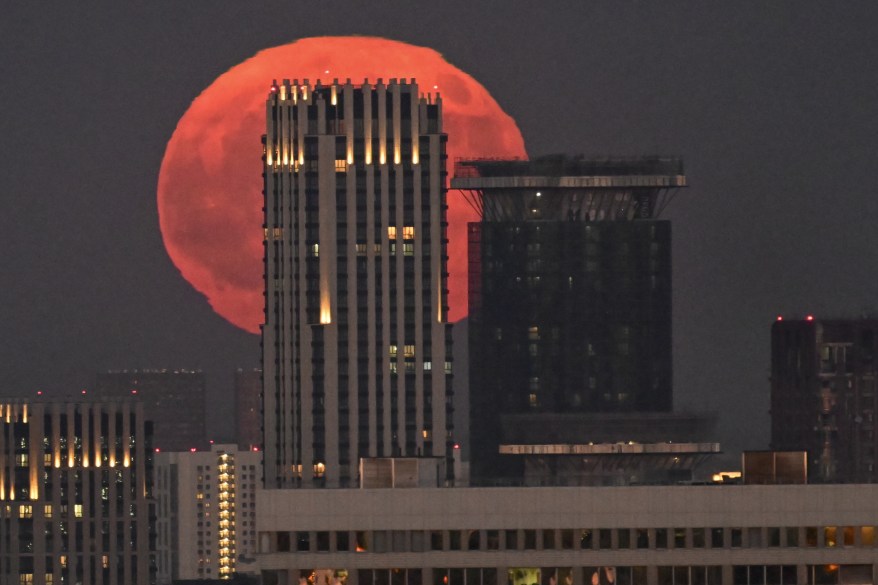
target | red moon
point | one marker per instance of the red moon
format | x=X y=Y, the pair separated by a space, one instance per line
x=210 y=182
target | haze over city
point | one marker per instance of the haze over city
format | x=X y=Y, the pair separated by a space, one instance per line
x=771 y=106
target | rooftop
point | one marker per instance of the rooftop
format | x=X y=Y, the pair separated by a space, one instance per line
x=560 y=165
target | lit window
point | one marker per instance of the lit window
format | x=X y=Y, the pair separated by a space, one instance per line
x=50 y=578
x=447 y=367
x=532 y=399
x=361 y=249
x=533 y=333
x=26 y=511
x=341 y=165
x=408 y=249
x=47 y=460
x=408 y=232
x=319 y=469
x=47 y=511
x=391 y=232
x=428 y=366
x=26 y=578
x=77 y=510
x=105 y=561
x=409 y=351
x=21 y=459
x=63 y=560
x=377 y=248
x=393 y=369
x=867 y=535
x=829 y=536
x=393 y=351
x=315 y=249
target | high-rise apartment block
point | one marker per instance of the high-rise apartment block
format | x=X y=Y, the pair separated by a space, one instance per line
x=75 y=493
x=356 y=345
x=570 y=299
x=206 y=504
x=823 y=397
x=173 y=399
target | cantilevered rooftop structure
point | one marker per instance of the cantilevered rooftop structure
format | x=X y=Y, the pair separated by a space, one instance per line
x=570 y=312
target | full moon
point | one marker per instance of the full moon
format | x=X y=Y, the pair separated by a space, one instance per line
x=210 y=182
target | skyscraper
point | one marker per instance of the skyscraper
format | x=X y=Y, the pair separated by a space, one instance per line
x=823 y=397
x=356 y=344
x=248 y=408
x=75 y=492
x=570 y=300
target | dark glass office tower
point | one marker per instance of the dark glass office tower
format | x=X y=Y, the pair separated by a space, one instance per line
x=570 y=298
x=356 y=345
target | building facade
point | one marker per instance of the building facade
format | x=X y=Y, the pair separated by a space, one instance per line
x=356 y=345
x=570 y=297
x=173 y=399
x=655 y=535
x=248 y=408
x=75 y=493
x=206 y=512
x=823 y=397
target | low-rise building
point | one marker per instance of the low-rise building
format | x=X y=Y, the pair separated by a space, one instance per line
x=652 y=535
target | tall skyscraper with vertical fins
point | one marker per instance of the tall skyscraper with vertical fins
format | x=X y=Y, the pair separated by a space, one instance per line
x=356 y=344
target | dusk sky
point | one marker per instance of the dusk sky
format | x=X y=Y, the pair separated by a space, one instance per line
x=772 y=105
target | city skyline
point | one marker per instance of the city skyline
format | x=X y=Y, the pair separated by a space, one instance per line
x=770 y=107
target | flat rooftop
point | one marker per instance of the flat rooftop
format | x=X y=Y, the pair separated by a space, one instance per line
x=558 y=165
x=569 y=172
x=612 y=449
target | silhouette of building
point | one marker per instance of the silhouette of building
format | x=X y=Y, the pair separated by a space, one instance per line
x=570 y=303
x=356 y=344
x=823 y=397
x=248 y=408
x=75 y=492
x=173 y=399
x=206 y=512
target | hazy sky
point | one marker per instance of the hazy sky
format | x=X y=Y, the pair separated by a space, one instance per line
x=772 y=105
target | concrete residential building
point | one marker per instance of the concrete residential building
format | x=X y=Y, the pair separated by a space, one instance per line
x=570 y=303
x=823 y=397
x=75 y=493
x=173 y=399
x=356 y=344
x=206 y=512
x=655 y=535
